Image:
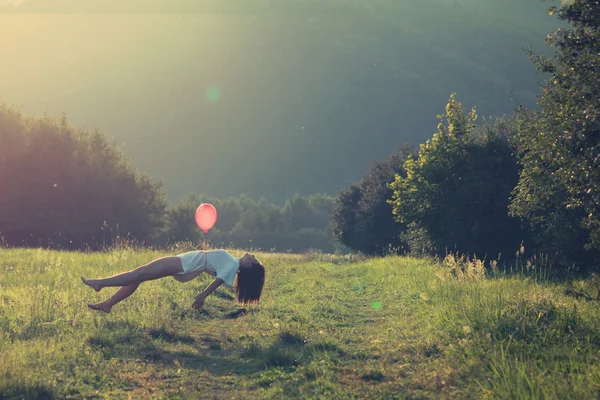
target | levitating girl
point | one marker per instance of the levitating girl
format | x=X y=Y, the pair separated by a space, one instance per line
x=246 y=274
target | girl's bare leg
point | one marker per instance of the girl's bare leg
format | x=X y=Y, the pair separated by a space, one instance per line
x=165 y=266
x=121 y=294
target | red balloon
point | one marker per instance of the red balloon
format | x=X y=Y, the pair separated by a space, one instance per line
x=206 y=216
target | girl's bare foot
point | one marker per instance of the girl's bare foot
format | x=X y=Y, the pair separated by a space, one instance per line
x=104 y=306
x=91 y=283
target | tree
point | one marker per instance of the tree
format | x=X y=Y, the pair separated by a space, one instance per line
x=301 y=224
x=180 y=225
x=66 y=187
x=456 y=190
x=362 y=217
x=558 y=192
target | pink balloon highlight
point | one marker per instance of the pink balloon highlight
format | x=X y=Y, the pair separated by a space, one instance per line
x=206 y=216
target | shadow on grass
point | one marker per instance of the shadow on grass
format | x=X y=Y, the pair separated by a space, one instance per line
x=207 y=360
x=168 y=336
x=223 y=295
x=36 y=328
x=205 y=314
x=291 y=349
x=237 y=313
x=34 y=391
x=123 y=340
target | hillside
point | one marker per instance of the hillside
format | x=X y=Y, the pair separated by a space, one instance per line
x=194 y=89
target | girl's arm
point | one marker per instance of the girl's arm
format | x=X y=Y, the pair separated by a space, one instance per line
x=199 y=302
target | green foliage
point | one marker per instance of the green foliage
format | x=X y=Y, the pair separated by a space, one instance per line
x=64 y=187
x=301 y=224
x=559 y=188
x=455 y=194
x=435 y=334
x=362 y=218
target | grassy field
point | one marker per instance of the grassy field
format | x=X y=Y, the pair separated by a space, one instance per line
x=327 y=327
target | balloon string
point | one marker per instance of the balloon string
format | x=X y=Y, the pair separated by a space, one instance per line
x=205 y=255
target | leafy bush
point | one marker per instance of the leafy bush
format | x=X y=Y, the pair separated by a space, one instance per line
x=455 y=194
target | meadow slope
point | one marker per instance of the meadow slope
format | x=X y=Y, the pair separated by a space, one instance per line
x=327 y=327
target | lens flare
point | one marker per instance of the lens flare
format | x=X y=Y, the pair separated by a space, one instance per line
x=212 y=94
x=377 y=305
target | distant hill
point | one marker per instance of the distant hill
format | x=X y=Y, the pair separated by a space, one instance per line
x=266 y=97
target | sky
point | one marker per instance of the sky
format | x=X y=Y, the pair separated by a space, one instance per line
x=13 y=2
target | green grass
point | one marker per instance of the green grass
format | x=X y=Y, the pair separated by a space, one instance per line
x=327 y=327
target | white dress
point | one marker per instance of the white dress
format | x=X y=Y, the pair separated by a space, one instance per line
x=218 y=263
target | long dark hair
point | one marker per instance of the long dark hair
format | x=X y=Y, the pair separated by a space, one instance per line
x=249 y=283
